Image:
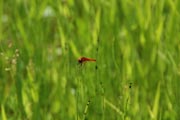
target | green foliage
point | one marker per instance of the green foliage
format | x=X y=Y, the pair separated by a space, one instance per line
x=136 y=45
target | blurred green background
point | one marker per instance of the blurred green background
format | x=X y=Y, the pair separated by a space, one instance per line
x=136 y=45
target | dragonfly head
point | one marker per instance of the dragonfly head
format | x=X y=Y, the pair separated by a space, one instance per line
x=79 y=60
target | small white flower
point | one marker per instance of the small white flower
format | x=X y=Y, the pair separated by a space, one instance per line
x=48 y=12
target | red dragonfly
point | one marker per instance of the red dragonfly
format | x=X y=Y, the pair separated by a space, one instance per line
x=84 y=59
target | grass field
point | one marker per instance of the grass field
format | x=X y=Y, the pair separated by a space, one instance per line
x=136 y=45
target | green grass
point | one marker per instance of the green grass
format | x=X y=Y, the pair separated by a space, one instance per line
x=136 y=45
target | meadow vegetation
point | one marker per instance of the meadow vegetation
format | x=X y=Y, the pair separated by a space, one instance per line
x=136 y=44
